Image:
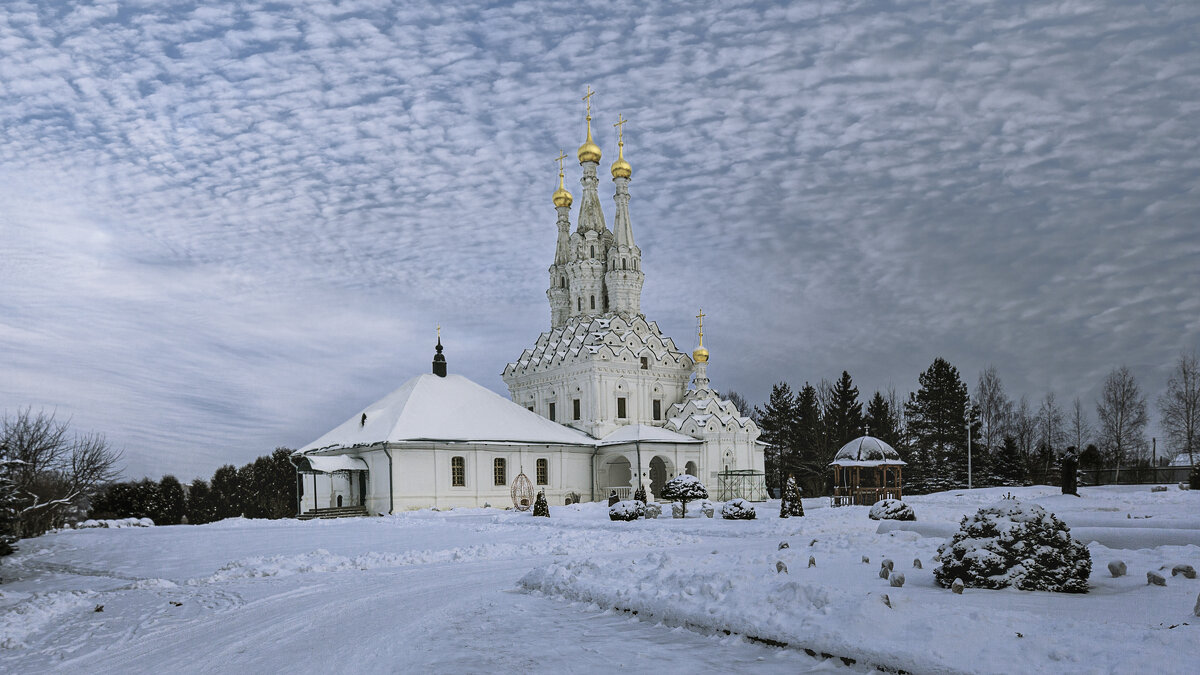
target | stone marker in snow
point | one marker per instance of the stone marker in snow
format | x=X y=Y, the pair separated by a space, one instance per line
x=780 y=567
x=897 y=579
x=917 y=564
x=1117 y=568
x=1196 y=610
x=884 y=572
x=783 y=545
x=887 y=562
x=886 y=600
x=1159 y=488
x=957 y=586
x=866 y=560
x=1187 y=571
x=1155 y=578
x=812 y=562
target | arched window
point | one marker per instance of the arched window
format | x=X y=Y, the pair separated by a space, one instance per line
x=543 y=471
x=593 y=298
x=690 y=468
x=593 y=251
x=579 y=303
x=500 y=471
x=458 y=472
x=562 y=282
x=624 y=264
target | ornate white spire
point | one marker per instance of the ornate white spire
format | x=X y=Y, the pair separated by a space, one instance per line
x=623 y=279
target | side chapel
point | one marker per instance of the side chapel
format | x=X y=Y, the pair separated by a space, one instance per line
x=601 y=402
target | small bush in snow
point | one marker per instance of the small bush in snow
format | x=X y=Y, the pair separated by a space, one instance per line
x=540 y=507
x=892 y=509
x=640 y=494
x=626 y=510
x=1014 y=544
x=738 y=509
x=684 y=489
x=119 y=522
x=653 y=510
x=705 y=510
x=790 y=505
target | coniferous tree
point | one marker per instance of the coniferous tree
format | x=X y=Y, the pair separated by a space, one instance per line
x=200 y=506
x=811 y=469
x=843 y=413
x=10 y=504
x=226 y=493
x=791 y=506
x=937 y=423
x=777 y=420
x=882 y=422
x=540 y=507
x=172 y=503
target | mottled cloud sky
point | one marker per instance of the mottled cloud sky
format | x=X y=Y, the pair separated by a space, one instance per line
x=226 y=226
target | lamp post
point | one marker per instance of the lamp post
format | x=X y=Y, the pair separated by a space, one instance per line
x=969 y=454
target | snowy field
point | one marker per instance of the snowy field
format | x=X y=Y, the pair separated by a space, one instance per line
x=483 y=590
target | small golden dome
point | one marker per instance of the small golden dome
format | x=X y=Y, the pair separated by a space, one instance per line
x=562 y=197
x=589 y=151
x=700 y=355
x=621 y=168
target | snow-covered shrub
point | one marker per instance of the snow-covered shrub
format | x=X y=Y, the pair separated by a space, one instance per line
x=791 y=505
x=118 y=522
x=738 y=509
x=684 y=489
x=640 y=494
x=653 y=510
x=1158 y=488
x=540 y=507
x=627 y=510
x=892 y=509
x=1014 y=544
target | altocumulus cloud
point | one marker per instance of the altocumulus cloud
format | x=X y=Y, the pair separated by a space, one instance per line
x=227 y=225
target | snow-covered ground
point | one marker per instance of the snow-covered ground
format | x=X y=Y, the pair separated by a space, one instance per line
x=476 y=590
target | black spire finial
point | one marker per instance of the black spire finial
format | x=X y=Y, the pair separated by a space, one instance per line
x=439 y=361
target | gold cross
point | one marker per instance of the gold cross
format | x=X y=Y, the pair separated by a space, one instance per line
x=620 y=125
x=701 y=316
x=561 y=156
x=439 y=331
x=588 y=99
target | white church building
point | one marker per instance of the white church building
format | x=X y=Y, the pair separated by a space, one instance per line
x=600 y=402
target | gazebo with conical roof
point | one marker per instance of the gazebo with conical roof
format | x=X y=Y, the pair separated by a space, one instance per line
x=865 y=471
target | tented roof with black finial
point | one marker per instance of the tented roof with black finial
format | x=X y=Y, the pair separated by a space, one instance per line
x=439 y=361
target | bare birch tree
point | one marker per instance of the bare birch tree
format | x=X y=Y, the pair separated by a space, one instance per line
x=1179 y=407
x=1121 y=412
x=1023 y=428
x=995 y=408
x=1078 y=427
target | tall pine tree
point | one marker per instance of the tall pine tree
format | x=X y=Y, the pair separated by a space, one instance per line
x=843 y=413
x=810 y=469
x=883 y=422
x=937 y=425
x=777 y=420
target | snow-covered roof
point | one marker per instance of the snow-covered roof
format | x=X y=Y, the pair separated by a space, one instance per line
x=331 y=463
x=450 y=408
x=645 y=433
x=615 y=338
x=867 y=451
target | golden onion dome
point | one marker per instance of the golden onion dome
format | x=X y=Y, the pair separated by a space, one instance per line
x=700 y=355
x=621 y=168
x=561 y=196
x=589 y=151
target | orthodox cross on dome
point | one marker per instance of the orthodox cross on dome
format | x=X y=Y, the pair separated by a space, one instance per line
x=700 y=318
x=620 y=125
x=588 y=100
x=561 y=156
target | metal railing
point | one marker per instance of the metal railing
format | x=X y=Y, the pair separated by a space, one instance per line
x=623 y=491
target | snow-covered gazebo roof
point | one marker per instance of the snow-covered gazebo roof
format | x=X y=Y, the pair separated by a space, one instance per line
x=867 y=451
x=450 y=409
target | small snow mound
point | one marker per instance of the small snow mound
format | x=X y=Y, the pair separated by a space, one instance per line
x=892 y=509
x=31 y=615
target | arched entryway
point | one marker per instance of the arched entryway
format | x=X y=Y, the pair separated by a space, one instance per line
x=690 y=469
x=617 y=475
x=661 y=471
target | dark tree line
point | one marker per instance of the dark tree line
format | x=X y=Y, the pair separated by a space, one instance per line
x=264 y=488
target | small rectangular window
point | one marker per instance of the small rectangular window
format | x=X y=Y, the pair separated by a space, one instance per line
x=575 y=409
x=458 y=472
x=657 y=409
x=500 y=471
x=621 y=407
x=552 y=411
x=543 y=472
x=645 y=363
